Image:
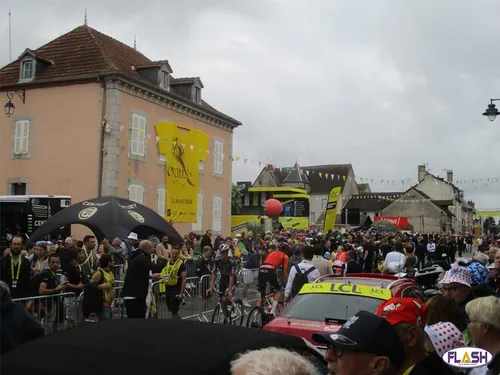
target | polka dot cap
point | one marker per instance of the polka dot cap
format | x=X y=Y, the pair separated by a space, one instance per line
x=445 y=336
x=460 y=275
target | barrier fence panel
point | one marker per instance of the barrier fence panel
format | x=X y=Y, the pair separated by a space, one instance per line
x=189 y=307
x=54 y=312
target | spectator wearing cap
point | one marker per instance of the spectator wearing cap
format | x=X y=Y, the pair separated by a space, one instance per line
x=366 y=345
x=456 y=284
x=408 y=316
x=442 y=337
x=478 y=272
x=484 y=324
x=128 y=245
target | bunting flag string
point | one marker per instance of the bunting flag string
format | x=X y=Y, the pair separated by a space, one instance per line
x=112 y=129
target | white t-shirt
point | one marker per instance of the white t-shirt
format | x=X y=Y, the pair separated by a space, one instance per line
x=303 y=266
x=395 y=261
x=431 y=247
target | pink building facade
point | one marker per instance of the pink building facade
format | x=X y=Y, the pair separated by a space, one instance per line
x=55 y=143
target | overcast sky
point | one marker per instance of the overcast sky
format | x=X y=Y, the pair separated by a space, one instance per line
x=384 y=85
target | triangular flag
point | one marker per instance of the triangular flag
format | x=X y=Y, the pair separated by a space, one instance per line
x=191 y=147
x=157 y=139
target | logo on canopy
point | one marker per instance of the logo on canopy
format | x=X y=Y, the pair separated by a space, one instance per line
x=87 y=213
x=154 y=240
x=136 y=216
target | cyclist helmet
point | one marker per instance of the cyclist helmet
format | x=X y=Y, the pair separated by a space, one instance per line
x=223 y=247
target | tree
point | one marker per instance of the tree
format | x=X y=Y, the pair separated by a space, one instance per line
x=236 y=199
x=489 y=224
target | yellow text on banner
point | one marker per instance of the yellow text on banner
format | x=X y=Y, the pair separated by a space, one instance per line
x=184 y=149
x=331 y=209
x=351 y=289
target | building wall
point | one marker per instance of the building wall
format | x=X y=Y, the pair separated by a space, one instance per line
x=439 y=190
x=264 y=180
x=63 y=153
x=150 y=171
x=414 y=211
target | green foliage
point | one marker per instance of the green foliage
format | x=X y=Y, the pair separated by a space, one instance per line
x=236 y=199
x=256 y=228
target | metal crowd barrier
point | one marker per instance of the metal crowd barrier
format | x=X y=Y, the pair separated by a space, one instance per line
x=195 y=306
x=54 y=312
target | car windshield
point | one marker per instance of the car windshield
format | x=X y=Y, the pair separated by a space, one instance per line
x=318 y=306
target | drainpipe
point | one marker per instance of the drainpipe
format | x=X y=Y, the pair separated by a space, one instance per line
x=101 y=140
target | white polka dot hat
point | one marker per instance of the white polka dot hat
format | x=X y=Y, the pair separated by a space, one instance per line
x=445 y=336
x=459 y=275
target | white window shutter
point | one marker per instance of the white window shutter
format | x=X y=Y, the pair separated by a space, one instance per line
x=198 y=226
x=142 y=136
x=25 y=136
x=217 y=214
x=134 y=136
x=17 y=137
x=161 y=202
x=136 y=193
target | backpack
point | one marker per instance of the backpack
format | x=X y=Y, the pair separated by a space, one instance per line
x=300 y=279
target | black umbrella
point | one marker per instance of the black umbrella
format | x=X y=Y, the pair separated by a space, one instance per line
x=111 y=217
x=147 y=346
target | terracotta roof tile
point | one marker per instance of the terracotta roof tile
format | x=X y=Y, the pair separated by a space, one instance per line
x=85 y=51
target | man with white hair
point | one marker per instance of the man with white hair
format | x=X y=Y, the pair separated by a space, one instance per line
x=272 y=361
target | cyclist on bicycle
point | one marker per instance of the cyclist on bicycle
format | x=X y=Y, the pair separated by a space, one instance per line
x=267 y=273
x=227 y=268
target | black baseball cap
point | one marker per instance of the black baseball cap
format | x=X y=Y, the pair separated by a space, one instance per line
x=369 y=333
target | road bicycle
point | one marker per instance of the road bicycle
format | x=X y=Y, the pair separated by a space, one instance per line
x=258 y=317
x=231 y=311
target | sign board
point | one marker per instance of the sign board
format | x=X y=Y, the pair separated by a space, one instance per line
x=397 y=221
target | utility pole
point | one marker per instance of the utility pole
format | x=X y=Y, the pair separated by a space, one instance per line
x=346 y=223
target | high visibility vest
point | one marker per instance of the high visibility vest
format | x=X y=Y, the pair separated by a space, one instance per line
x=169 y=272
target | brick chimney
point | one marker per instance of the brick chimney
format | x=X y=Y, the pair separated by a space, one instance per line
x=472 y=204
x=421 y=172
x=449 y=176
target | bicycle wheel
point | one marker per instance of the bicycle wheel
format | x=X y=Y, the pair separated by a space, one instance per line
x=218 y=315
x=237 y=313
x=255 y=317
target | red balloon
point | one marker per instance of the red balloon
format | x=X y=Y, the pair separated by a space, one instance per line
x=273 y=207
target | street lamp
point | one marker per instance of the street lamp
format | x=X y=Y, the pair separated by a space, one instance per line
x=492 y=111
x=9 y=107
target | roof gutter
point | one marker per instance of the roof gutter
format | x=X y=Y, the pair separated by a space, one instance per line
x=102 y=127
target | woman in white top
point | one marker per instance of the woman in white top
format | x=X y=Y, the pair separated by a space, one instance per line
x=395 y=260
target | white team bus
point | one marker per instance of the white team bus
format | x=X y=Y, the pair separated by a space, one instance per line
x=23 y=214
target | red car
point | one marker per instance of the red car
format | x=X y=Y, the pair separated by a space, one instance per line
x=329 y=302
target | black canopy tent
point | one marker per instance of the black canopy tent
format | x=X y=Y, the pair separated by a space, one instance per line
x=111 y=217
x=148 y=346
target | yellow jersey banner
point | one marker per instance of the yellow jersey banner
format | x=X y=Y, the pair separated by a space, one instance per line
x=351 y=289
x=331 y=209
x=184 y=149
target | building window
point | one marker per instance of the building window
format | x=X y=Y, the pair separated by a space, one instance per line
x=160 y=203
x=263 y=198
x=138 y=136
x=18 y=188
x=164 y=80
x=136 y=193
x=217 y=214
x=323 y=203
x=312 y=218
x=197 y=95
x=21 y=137
x=218 y=157
x=27 y=70
x=198 y=226
x=201 y=166
x=246 y=201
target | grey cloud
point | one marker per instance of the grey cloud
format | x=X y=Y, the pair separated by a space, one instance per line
x=384 y=85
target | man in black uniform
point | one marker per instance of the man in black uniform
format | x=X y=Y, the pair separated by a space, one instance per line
x=15 y=270
x=136 y=285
